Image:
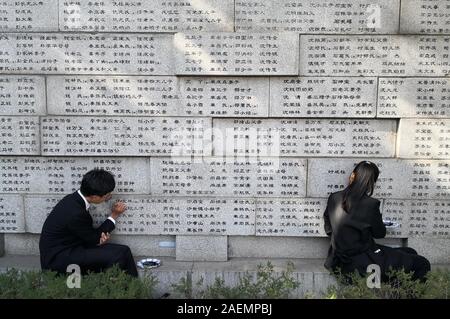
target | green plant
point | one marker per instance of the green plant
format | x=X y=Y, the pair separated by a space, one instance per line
x=113 y=283
x=399 y=285
x=184 y=289
x=265 y=284
x=437 y=285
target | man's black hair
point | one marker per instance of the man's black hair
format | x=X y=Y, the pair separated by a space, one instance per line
x=97 y=182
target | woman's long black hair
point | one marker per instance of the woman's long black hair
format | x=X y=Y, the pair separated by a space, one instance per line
x=365 y=175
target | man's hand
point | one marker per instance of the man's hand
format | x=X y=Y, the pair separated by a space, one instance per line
x=118 y=209
x=104 y=238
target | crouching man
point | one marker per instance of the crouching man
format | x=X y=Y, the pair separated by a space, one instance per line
x=68 y=236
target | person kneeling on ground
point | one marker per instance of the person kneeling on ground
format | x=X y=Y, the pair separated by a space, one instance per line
x=68 y=236
x=353 y=219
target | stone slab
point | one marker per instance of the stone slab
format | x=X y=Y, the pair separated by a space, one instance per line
x=347 y=16
x=26 y=16
x=184 y=216
x=147 y=16
x=396 y=210
x=19 y=135
x=424 y=138
x=230 y=53
x=304 y=137
x=21 y=244
x=436 y=250
x=22 y=95
x=12 y=215
x=50 y=175
x=426 y=218
x=413 y=97
x=290 y=217
x=157 y=96
x=278 y=247
x=399 y=179
x=202 y=248
x=423 y=16
x=72 y=53
x=125 y=136
x=236 y=177
x=146 y=245
x=148 y=215
x=374 y=55
x=323 y=97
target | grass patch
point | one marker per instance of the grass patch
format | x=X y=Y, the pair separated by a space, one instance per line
x=111 y=284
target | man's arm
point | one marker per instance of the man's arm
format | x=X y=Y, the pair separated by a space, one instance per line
x=117 y=210
x=81 y=227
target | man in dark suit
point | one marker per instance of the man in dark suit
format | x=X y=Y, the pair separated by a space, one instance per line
x=68 y=236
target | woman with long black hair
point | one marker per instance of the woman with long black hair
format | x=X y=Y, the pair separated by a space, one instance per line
x=353 y=219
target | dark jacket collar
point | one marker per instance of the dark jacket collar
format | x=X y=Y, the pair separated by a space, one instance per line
x=79 y=200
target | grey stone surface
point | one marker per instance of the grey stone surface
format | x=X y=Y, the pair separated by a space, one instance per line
x=401 y=179
x=37 y=208
x=304 y=137
x=12 y=214
x=436 y=250
x=147 y=246
x=425 y=218
x=19 y=135
x=424 y=138
x=230 y=53
x=27 y=262
x=25 y=16
x=185 y=216
x=21 y=244
x=211 y=216
x=216 y=176
x=422 y=16
x=72 y=53
x=413 y=97
x=202 y=248
x=323 y=97
x=290 y=217
x=157 y=96
x=22 y=95
x=166 y=281
x=348 y=16
x=224 y=97
x=2 y=245
x=125 y=136
x=147 y=16
x=147 y=215
x=398 y=211
x=63 y=175
x=322 y=281
x=358 y=55
x=278 y=247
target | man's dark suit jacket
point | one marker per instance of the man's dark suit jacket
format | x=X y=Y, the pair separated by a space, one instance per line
x=352 y=234
x=68 y=228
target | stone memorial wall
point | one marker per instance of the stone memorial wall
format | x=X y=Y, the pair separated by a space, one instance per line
x=226 y=122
